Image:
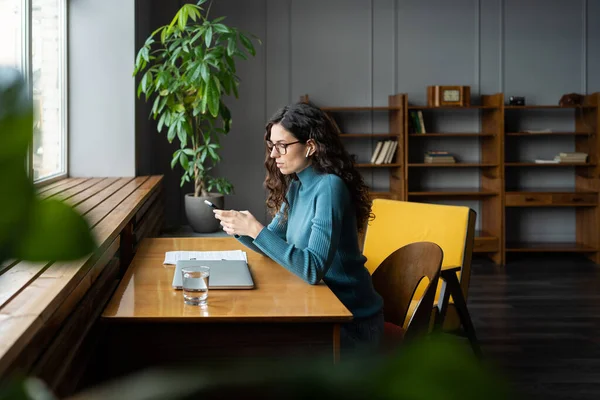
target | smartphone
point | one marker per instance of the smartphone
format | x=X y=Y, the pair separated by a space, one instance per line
x=211 y=205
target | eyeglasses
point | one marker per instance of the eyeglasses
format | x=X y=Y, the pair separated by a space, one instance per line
x=281 y=148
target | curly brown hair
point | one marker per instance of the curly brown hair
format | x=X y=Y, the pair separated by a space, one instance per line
x=306 y=121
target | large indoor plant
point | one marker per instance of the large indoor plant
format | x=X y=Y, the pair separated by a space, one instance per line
x=187 y=70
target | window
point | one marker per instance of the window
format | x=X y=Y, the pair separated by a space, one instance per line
x=12 y=32
x=36 y=44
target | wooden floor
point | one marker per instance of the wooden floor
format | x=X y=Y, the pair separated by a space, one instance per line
x=539 y=319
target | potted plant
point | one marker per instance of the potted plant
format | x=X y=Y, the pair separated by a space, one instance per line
x=187 y=70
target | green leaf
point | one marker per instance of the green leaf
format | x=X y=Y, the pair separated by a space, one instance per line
x=230 y=46
x=171 y=133
x=182 y=137
x=175 y=158
x=196 y=36
x=182 y=17
x=184 y=132
x=226 y=80
x=226 y=116
x=183 y=160
x=213 y=154
x=189 y=152
x=16 y=122
x=161 y=122
x=240 y=54
x=204 y=72
x=146 y=54
x=163 y=35
x=55 y=232
x=144 y=82
x=208 y=36
x=192 y=13
x=247 y=44
x=214 y=97
x=163 y=102
x=203 y=101
x=196 y=66
x=217 y=20
x=220 y=28
x=155 y=105
x=231 y=62
x=206 y=137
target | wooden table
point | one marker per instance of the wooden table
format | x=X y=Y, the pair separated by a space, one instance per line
x=148 y=322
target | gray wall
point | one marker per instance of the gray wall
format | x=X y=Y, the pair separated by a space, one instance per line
x=357 y=52
x=100 y=88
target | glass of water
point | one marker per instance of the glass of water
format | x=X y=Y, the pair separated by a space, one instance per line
x=195 y=285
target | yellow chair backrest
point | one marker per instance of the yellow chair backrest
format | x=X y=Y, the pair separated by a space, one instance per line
x=398 y=223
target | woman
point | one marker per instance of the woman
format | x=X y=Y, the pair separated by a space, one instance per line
x=320 y=204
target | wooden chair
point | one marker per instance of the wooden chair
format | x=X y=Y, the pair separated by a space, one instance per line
x=398 y=223
x=397 y=279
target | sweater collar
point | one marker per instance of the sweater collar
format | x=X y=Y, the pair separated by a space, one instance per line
x=307 y=176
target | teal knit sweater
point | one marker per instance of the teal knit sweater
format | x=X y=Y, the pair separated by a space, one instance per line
x=319 y=241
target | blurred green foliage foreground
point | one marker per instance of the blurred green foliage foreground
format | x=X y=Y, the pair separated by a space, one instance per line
x=437 y=367
x=30 y=229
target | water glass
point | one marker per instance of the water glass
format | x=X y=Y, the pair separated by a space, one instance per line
x=195 y=285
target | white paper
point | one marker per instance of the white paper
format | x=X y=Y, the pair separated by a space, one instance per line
x=171 y=257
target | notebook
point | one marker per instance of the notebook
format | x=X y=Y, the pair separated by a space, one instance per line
x=224 y=274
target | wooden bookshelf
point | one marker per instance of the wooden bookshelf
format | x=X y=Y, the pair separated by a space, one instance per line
x=368 y=165
x=550 y=247
x=451 y=134
x=492 y=191
x=489 y=189
x=549 y=133
x=357 y=109
x=582 y=197
x=548 y=165
x=450 y=193
x=395 y=111
x=369 y=135
x=452 y=165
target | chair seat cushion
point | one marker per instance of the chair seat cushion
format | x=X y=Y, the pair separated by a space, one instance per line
x=393 y=335
x=392 y=331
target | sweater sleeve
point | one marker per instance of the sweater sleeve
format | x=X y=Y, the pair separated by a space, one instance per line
x=278 y=226
x=311 y=263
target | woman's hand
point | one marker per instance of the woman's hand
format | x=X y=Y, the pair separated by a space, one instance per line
x=239 y=223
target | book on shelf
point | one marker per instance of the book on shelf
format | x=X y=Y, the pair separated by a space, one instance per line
x=537 y=131
x=384 y=152
x=439 y=157
x=391 y=152
x=376 y=151
x=574 y=157
x=417 y=122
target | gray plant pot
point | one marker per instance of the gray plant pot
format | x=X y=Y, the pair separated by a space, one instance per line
x=200 y=216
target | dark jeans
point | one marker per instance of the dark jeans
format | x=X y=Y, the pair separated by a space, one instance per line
x=362 y=335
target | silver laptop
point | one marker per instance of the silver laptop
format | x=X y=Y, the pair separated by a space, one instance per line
x=224 y=274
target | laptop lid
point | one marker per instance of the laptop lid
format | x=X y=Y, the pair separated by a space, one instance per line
x=224 y=274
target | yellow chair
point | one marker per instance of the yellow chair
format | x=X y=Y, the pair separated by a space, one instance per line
x=398 y=223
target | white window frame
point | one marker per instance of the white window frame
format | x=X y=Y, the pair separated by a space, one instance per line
x=26 y=69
